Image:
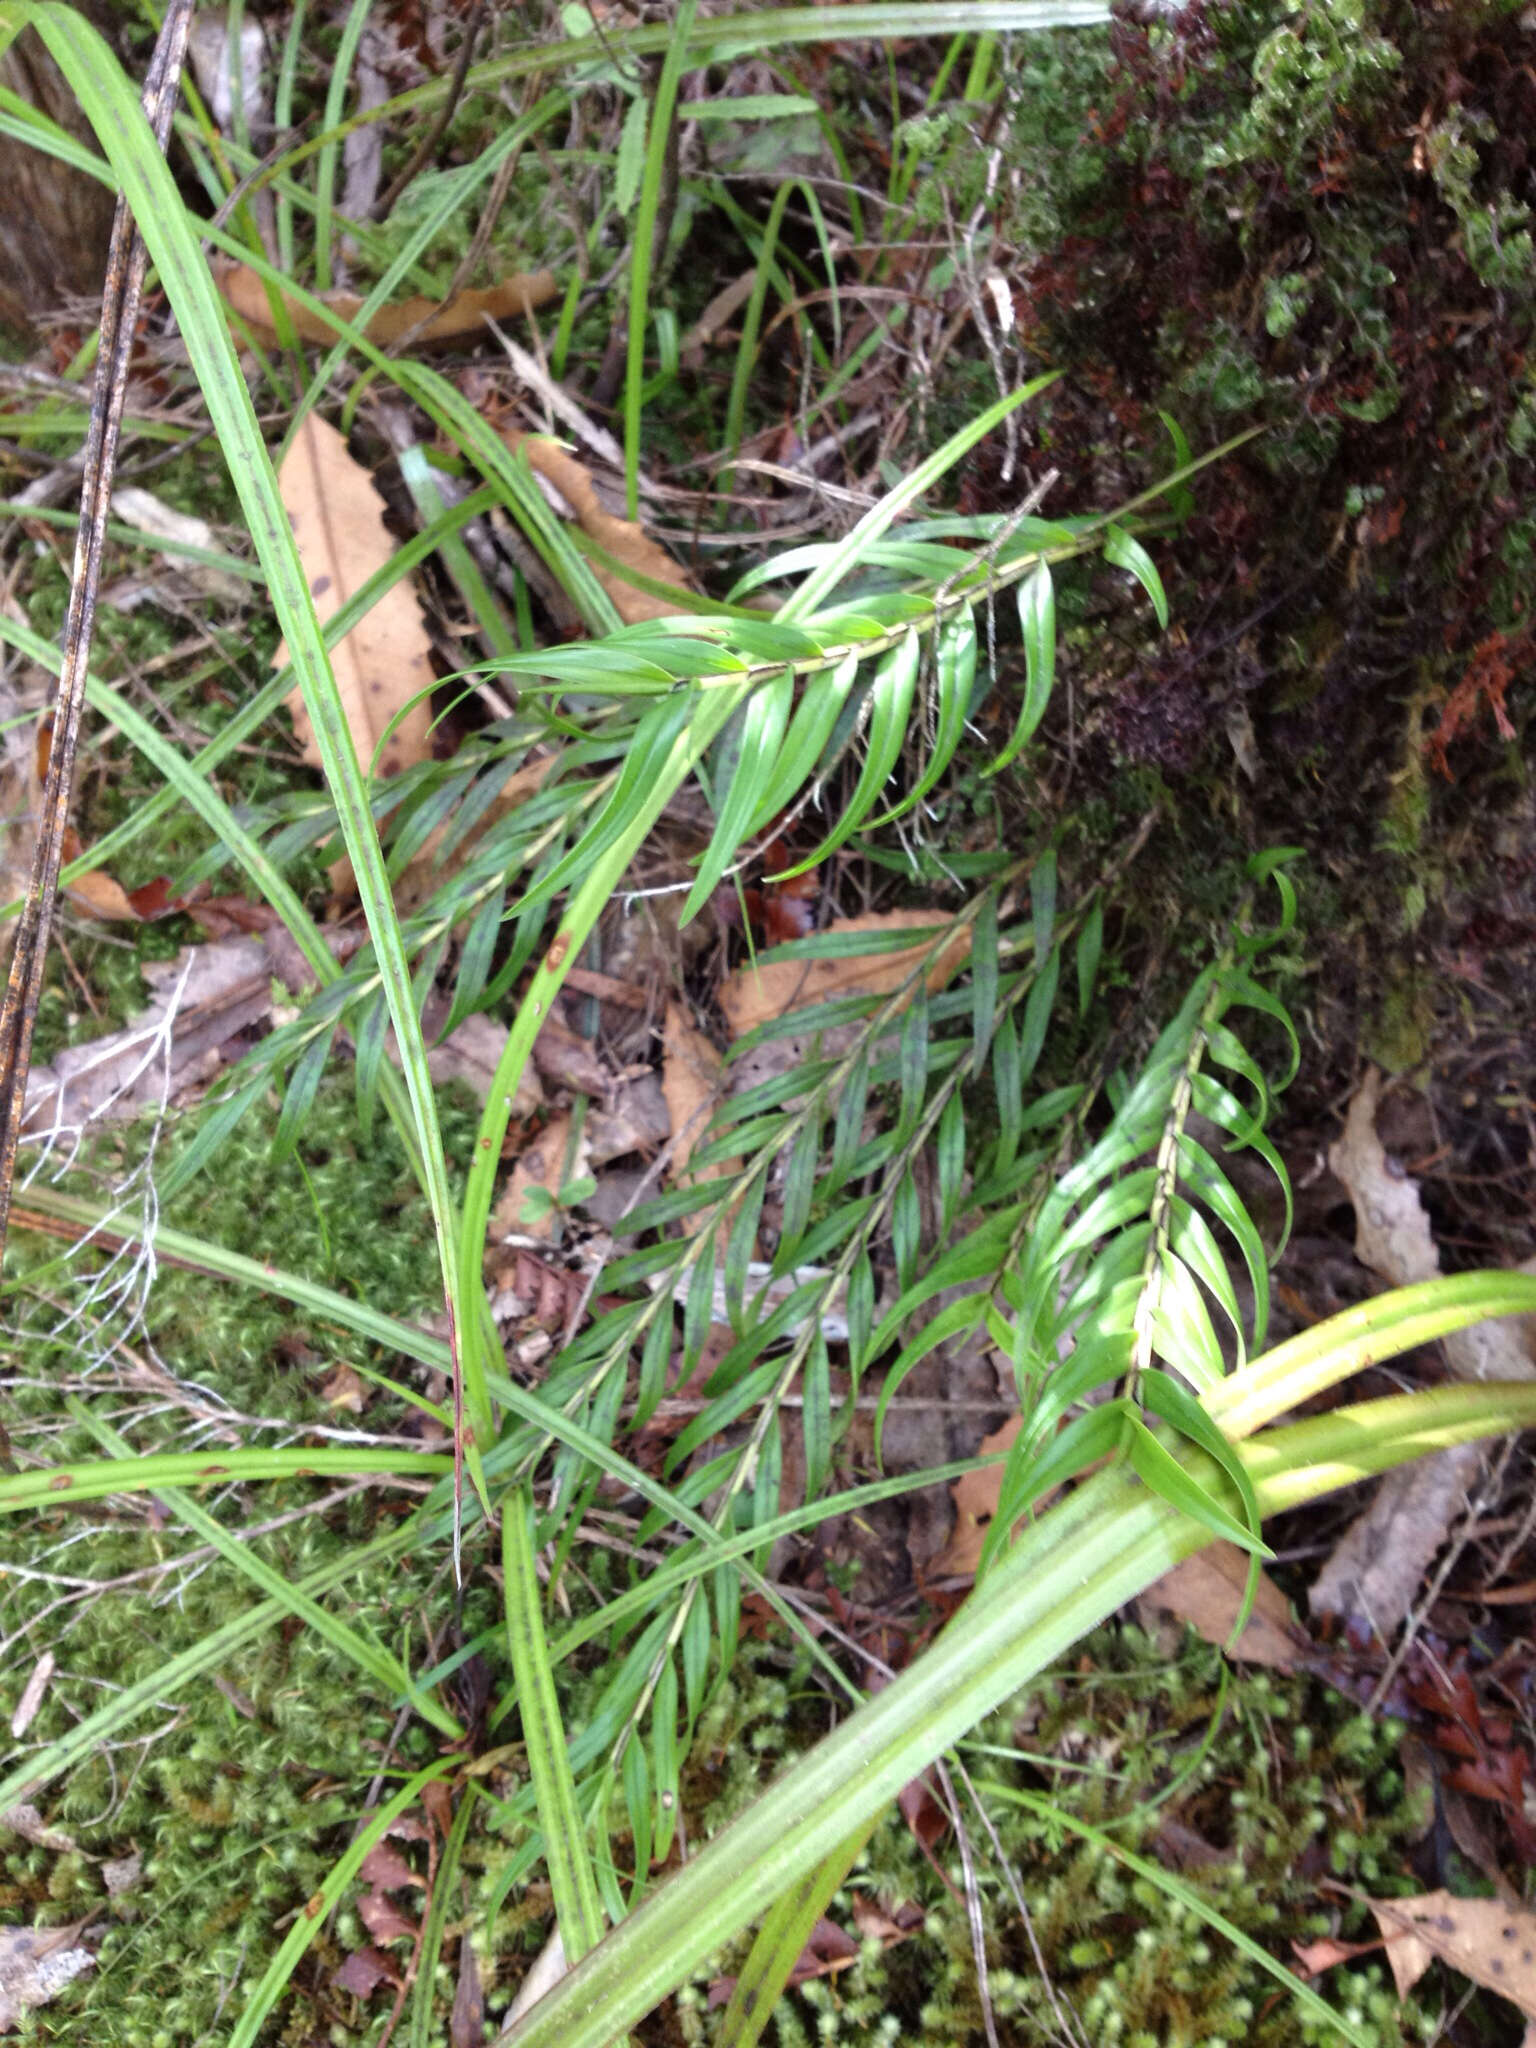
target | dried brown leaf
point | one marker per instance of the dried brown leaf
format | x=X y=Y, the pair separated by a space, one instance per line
x=385 y=661
x=515 y=294
x=26 y=1821
x=345 y=1388
x=1492 y=1943
x=756 y=995
x=1371 y=1579
x=1206 y=1590
x=384 y=1920
x=570 y=1061
x=35 y=1965
x=387 y=1870
x=626 y=542
x=364 y=1971
x=32 y=1696
x=466 y=2023
x=690 y=1081
x=543 y=1164
x=975 y=1496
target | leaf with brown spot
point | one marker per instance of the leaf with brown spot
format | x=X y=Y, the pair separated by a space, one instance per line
x=518 y=293
x=1492 y=1943
x=385 y=661
x=621 y=539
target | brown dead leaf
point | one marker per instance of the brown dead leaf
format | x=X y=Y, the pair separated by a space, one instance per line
x=975 y=1496
x=338 y=523
x=26 y=1821
x=35 y=1965
x=544 y=1164
x=548 y=1967
x=1313 y=1957
x=32 y=1698
x=96 y=892
x=385 y=1920
x=1206 y=1590
x=516 y=294
x=626 y=542
x=1375 y=1571
x=1393 y=1237
x=204 y=997
x=387 y=1870
x=466 y=2023
x=570 y=1061
x=690 y=1081
x=923 y=1811
x=345 y=1388
x=1492 y=1943
x=364 y=1971
x=755 y=995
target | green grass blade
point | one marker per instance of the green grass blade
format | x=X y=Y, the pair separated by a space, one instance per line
x=659 y=143
x=308 y=1923
x=781 y=1941
x=578 y=1913
x=87 y=1737
x=110 y=105
x=325 y=170
x=379 y=1664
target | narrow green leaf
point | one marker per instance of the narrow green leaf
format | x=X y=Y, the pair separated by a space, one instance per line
x=1090 y=948
x=1037 y=618
x=664 y=1759
x=578 y=1913
x=1125 y=552
x=1158 y=1469
x=781 y=1941
x=629 y=165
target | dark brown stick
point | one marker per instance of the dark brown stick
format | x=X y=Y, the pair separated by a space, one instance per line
x=119 y=314
x=434 y=135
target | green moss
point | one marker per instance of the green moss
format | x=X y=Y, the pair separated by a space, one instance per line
x=1112 y=1741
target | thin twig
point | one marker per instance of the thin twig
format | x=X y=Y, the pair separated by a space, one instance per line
x=434 y=135
x=119 y=315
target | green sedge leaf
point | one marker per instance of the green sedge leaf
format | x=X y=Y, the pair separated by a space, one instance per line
x=890 y=716
x=303 y=1086
x=1183 y=1333
x=695 y=1653
x=1082 y=1443
x=664 y=1757
x=755 y=741
x=1090 y=949
x=816 y=1416
x=1042 y=899
x=1037 y=618
x=1178 y=1407
x=630 y=161
x=1125 y=552
x=1157 y=1468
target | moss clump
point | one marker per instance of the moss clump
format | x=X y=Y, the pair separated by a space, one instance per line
x=1295 y=1786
